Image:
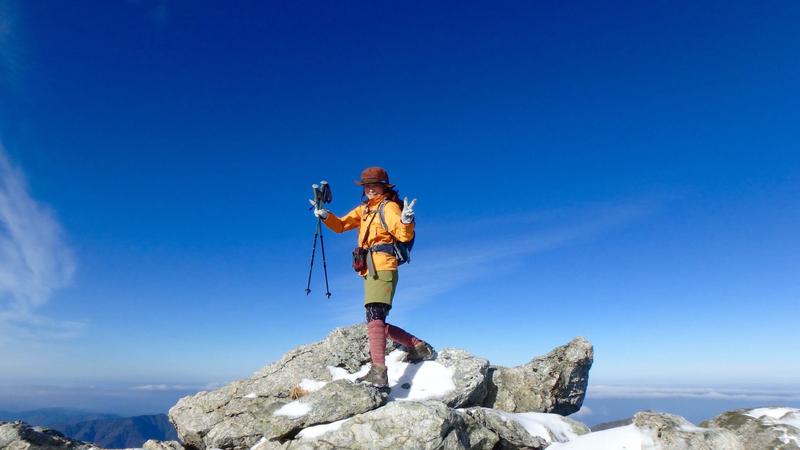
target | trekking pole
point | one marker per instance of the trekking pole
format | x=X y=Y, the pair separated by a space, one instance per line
x=311 y=267
x=327 y=197
x=322 y=195
x=317 y=232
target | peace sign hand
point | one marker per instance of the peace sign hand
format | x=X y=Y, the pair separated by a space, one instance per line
x=407 y=216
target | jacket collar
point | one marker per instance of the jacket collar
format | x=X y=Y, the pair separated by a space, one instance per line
x=373 y=204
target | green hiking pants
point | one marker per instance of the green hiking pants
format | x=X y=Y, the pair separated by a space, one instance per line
x=381 y=288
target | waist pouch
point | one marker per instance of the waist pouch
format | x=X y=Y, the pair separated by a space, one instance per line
x=359 y=259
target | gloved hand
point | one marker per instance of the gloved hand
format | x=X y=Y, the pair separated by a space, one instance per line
x=318 y=211
x=407 y=216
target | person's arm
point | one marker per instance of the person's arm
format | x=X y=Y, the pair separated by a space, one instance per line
x=404 y=232
x=348 y=222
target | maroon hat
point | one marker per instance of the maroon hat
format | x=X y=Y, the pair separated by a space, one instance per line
x=374 y=175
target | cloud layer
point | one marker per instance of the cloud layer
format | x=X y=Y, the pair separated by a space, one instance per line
x=700 y=393
x=35 y=261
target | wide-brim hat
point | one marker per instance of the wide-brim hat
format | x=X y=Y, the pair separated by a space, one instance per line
x=374 y=175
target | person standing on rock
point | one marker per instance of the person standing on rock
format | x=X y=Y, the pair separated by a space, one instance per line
x=375 y=261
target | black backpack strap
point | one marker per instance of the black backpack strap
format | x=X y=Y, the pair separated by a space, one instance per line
x=370 y=263
x=366 y=233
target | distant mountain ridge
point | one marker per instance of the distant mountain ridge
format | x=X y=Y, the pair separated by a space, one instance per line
x=105 y=430
x=128 y=432
x=55 y=418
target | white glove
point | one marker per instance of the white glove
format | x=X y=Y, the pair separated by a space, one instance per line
x=407 y=216
x=319 y=212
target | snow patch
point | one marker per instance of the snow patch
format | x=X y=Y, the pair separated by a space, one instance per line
x=550 y=427
x=318 y=430
x=774 y=416
x=251 y=395
x=293 y=409
x=338 y=373
x=311 y=385
x=780 y=419
x=628 y=437
x=425 y=380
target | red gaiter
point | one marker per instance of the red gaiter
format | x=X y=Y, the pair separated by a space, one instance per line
x=376 y=332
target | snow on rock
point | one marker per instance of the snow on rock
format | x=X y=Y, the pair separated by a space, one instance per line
x=492 y=428
x=777 y=416
x=628 y=437
x=336 y=400
x=293 y=409
x=408 y=382
x=762 y=427
x=550 y=427
x=318 y=430
x=652 y=430
x=311 y=385
x=423 y=381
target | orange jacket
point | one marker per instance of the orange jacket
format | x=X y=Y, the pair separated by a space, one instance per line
x=362 y=215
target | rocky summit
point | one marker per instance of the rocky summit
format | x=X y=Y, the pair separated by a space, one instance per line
x=309 y=400
x=453 y=396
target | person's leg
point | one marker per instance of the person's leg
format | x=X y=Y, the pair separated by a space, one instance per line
x=376 y=335
x=376 y=332
x=401 y=336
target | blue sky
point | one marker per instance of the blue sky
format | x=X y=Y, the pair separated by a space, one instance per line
x=625 y=172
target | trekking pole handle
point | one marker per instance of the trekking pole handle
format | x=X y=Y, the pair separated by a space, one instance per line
x=317 y=197
x=325 y=192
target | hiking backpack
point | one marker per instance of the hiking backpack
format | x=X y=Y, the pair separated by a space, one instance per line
x=402 y=250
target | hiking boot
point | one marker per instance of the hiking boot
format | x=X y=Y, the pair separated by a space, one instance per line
x=419 y=352
x=376 y=375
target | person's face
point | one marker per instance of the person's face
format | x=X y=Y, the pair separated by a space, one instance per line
x=373 y=190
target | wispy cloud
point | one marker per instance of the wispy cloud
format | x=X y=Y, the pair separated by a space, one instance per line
x=700 y=393
x=35 y=262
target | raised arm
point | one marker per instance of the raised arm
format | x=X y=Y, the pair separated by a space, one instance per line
x=404 y=232
x=350 y=221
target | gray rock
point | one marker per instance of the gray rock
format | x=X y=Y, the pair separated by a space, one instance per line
x=488 y=430
x=21 y=436
x=335 y=401
x=612 y=424
x=398 y=425
x=153 y=444
x=760 y=433
x=237 y=415
x=671 y=432
x=554 y=383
